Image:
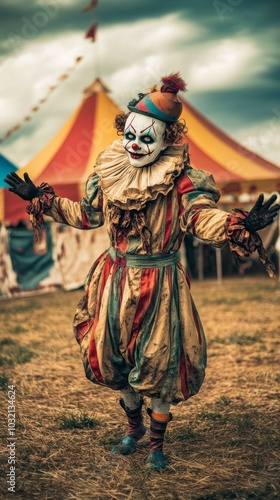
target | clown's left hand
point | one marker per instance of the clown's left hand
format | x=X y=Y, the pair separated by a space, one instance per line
x=262 y=214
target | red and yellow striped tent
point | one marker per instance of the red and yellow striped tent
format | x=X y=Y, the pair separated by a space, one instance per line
x=235 y=169
x=67 y=160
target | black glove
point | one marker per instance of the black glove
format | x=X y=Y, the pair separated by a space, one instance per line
x=26 y=189
x=261 y=215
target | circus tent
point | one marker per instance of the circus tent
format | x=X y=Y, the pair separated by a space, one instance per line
x=63 y=257
x=235 y=169
x=67 y=160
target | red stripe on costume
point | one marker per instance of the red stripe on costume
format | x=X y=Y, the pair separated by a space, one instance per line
x=168 y=219
x=100 y=200
x=93 y=358
x=184 y=184
x=148 y=280
x=195 y=218
x=82 y=329
x=96 y=264
x=105 y=275
x=183 y=375
x=85 y=221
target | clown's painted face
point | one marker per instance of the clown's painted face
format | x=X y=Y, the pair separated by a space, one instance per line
x=143 y=139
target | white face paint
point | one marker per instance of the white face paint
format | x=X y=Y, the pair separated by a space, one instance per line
x=143 y=139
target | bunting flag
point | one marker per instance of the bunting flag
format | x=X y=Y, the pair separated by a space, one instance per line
x=36 y=107
x=66 y=160
x=91 y=32
x=90 y=6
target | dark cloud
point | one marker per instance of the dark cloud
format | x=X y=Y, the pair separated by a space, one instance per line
x=31 y=19
x=234 y=108
x=250 y=101
x=218 y=18
x=225 y=18
x=29 y=22
x=271 y=78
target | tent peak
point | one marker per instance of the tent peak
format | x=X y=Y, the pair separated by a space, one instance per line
x=96 y=86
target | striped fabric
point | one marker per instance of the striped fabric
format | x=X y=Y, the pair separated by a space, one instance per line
x=66 y=160
x=157 y=431
x=139 y=326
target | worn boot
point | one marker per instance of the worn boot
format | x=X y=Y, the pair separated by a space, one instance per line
x=135 y=431
x=156 y=459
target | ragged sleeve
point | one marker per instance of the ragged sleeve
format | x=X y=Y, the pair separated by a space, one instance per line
x=200 y=216
x=84 y=214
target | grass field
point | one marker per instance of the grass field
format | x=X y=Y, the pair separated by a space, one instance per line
x=222 y=443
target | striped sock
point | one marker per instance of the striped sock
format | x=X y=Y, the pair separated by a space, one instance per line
x=136 y=428
x=157 y=429
x=135 y=431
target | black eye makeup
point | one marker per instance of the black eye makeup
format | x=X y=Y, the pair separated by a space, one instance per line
x=147 y=139
x=129 y=136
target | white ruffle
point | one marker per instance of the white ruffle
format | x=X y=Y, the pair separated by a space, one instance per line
x=129 y=187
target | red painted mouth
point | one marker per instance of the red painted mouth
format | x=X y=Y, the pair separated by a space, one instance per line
x=136 y=156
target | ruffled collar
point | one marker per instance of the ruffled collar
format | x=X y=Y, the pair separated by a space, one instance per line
x=129 y=187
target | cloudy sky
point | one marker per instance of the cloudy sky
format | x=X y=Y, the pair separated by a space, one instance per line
x=227 y=52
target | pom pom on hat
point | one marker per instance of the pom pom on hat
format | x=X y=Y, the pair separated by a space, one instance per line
x=164 y=104
x=173 y=83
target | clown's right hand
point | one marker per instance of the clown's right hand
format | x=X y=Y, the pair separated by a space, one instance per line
x=25 y=189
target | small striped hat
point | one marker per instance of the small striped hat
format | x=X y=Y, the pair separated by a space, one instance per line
x=163 y=104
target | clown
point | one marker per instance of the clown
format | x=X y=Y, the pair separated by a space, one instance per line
x=143 y=141
x=137 y=325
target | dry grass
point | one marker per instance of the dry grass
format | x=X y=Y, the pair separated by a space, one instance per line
x=222 y=444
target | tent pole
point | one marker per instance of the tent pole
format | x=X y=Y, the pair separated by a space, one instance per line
x=200 y=261
x=219 y=265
